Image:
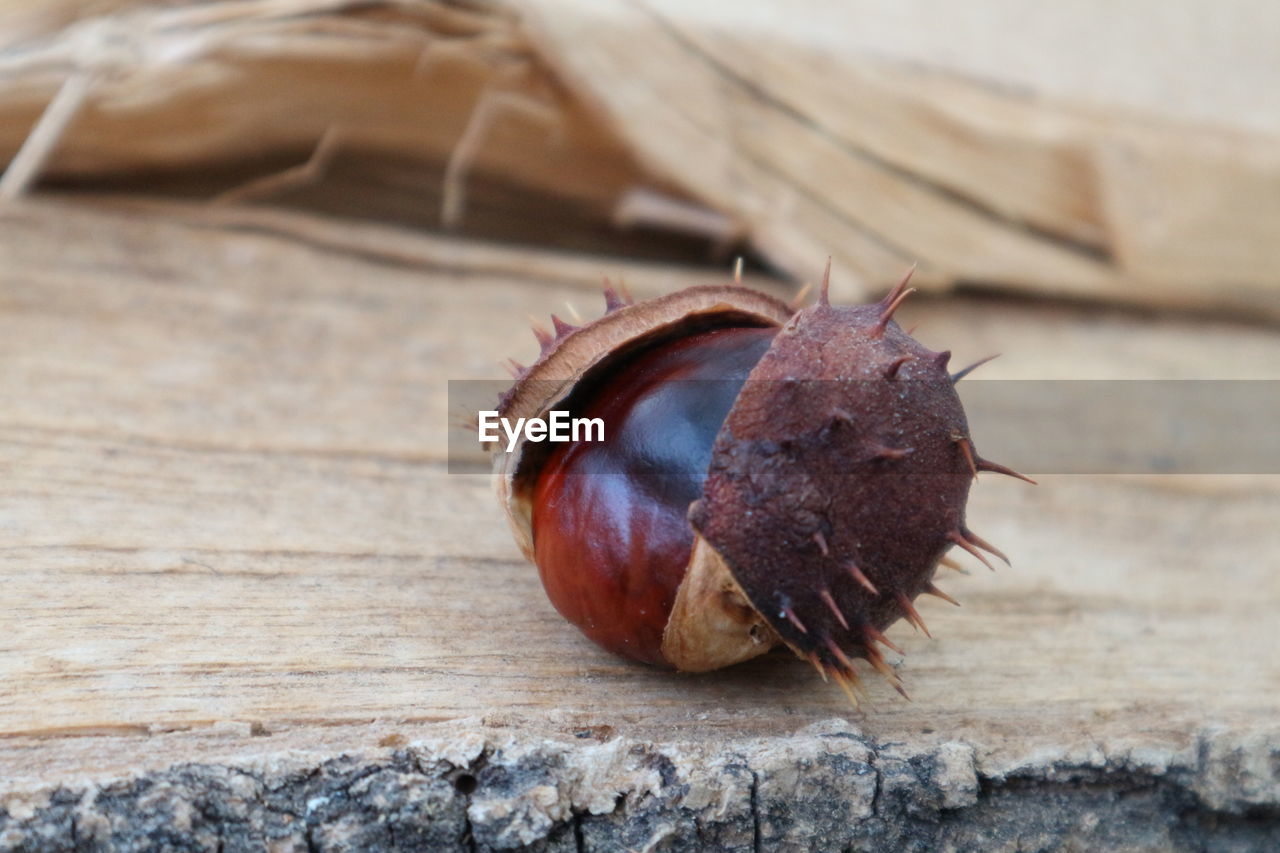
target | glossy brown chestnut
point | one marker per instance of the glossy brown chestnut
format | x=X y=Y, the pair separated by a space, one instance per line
x=767 y=476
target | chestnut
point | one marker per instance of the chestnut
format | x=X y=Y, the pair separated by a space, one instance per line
x=767 y=475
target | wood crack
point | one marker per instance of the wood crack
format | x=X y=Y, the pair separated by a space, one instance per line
x=756 y=845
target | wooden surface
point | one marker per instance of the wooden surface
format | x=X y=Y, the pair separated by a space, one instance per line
x=229 y=536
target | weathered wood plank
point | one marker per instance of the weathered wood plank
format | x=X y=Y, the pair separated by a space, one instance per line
x=229 y=534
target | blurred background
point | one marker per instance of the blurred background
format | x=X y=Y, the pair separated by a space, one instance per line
x=1117 y=153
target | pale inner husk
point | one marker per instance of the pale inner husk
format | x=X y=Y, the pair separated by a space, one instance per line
x=712 y=625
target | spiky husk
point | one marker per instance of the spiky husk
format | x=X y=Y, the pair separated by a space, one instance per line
x=838 y=480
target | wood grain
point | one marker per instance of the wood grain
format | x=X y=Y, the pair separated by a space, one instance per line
x=228 y=529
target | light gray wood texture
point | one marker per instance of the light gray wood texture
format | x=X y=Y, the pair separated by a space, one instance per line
x=229 y=538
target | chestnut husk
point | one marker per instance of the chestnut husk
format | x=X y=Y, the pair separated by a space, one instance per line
x=837 y=481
